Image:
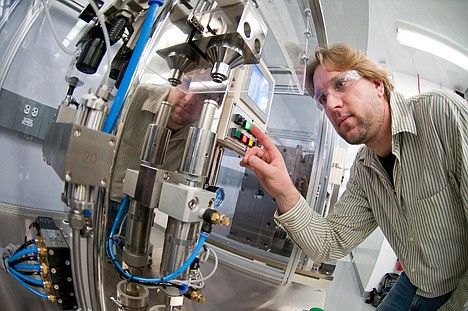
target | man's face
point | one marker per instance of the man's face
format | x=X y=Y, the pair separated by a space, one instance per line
x=356 y=114
x=186 y=108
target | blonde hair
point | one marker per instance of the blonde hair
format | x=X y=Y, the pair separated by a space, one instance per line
x=341 y=57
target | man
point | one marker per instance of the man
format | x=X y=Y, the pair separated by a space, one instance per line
x=410 y=178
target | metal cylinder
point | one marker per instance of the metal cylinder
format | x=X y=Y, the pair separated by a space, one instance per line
x=178 y=243
x=156 y=143
x=129 y=302
x=198 y=152
x=139 y=221
x=207 y=114
x=157 y=137
x=77 y=271
x=93 y=112
x=163 y=113
x=200 y=143
x=82 y=196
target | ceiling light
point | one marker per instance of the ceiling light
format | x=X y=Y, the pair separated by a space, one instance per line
x=433 y=46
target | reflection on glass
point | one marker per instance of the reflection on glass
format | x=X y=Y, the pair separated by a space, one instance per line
x=251 y=208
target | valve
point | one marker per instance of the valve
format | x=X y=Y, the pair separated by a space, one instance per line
x=195 y=296
x=214 y=217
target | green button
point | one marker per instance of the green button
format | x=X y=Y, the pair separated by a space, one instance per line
x=247 y=125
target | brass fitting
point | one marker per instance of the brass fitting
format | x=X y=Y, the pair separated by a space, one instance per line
x=197 y=296
x=224 y=221
x=48 y=287
x=218 y=219
x=41 y=253
x=44 y=270
x=39 y=241
x=52 y=298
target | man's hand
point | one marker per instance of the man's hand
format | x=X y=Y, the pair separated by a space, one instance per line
x=268 y=164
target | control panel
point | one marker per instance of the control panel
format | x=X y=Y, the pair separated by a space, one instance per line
x=248 y=101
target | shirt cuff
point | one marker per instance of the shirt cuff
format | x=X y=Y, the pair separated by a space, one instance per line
x=297 y=218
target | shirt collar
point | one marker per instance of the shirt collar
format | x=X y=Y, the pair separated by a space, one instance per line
x=402 y=115
x=402 y=121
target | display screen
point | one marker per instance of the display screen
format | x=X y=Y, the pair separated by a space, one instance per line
x=259 y=89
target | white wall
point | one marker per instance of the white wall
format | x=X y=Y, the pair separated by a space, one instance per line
x=408 y=85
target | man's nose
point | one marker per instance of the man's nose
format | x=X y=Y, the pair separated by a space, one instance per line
x=191 y=98
x=333 y=101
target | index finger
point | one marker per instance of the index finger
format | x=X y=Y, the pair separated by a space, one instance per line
x=263 y=138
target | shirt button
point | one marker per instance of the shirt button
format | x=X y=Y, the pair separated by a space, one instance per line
x=412 y=270
x=411 y=239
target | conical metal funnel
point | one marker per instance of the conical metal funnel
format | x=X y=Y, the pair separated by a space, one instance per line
x=225 y=53
x=179 y=63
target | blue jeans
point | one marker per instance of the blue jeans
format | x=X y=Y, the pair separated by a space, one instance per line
x=402 y=297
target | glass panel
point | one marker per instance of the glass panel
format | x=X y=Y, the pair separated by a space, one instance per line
x=294 y=127
x=36 y=74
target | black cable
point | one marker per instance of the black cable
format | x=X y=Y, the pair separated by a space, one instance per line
x=25 y=280
x=24 y=245
x=29 y=229
x=22 y=259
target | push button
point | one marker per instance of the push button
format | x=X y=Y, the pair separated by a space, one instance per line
x=244 y=139
x=246 y=125
x=238 y=119
x=236 y=133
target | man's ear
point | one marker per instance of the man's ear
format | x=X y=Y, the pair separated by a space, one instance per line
x=379 y=87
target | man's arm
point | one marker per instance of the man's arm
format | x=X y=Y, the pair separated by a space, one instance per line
x=336 y=235
x=321 y=238
x=268 y=164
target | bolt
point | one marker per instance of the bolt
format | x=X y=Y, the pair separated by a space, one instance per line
x=166 y=176
x=193 y=203
x=68 y=177
x=77 y=133
x=224 y=221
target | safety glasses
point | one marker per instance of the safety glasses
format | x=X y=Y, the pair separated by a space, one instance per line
x=339 y=85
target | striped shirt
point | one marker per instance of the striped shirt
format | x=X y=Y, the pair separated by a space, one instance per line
x=423 y=213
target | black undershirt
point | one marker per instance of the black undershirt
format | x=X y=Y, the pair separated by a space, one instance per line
x=387 y=163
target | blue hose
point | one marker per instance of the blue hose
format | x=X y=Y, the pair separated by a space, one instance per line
x=26 y=279
x=117 y=105
x=184 y=267
x=29 y=287
x=26 y=251
x=27 y=267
